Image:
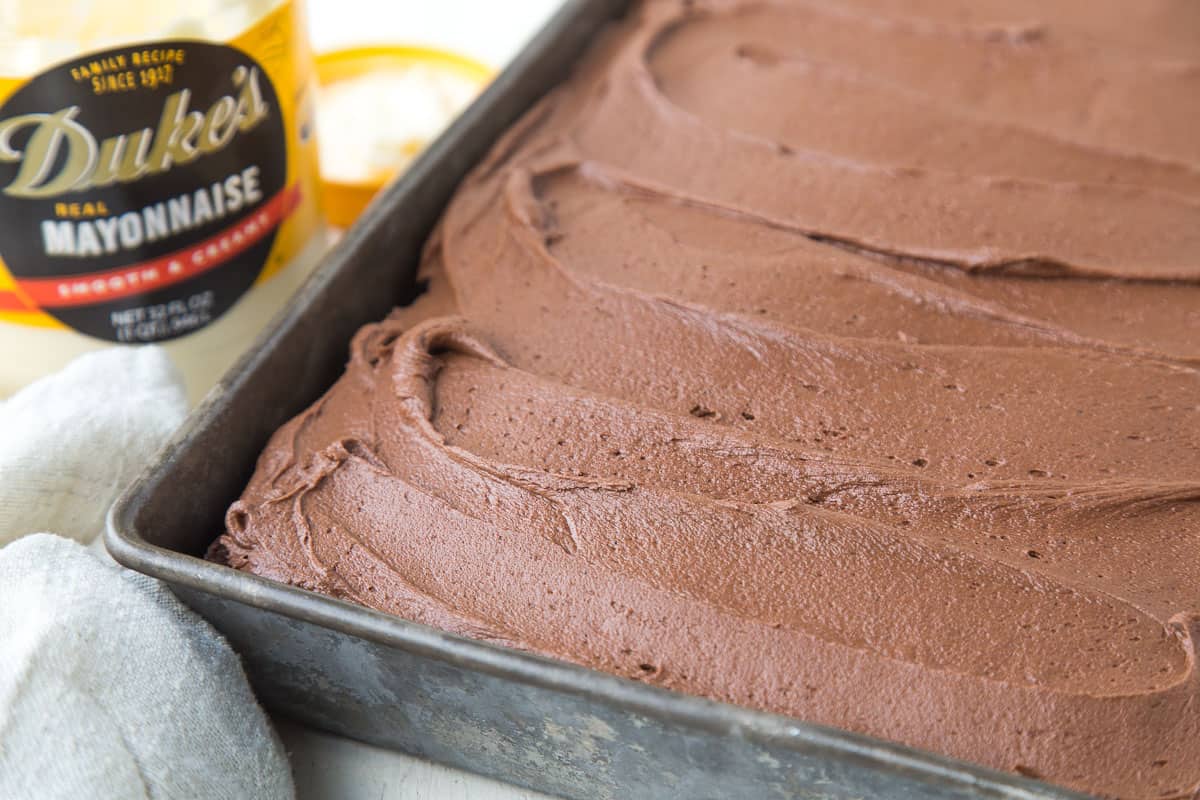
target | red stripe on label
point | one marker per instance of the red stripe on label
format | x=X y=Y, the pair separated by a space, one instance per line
x=149 y=276
x=11 y=301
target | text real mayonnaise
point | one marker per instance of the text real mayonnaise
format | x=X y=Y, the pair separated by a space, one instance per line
x=158 y=178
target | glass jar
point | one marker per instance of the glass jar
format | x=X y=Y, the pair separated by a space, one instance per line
x=158 y=178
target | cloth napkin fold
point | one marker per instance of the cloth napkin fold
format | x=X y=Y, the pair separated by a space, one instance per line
x=70 y=442
x=109 y=686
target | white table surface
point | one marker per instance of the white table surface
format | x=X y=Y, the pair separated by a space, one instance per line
x=329 y=767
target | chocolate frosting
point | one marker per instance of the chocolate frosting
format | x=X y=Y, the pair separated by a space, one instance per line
x=834 y=359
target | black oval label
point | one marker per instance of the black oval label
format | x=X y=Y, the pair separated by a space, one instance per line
x=141 y=188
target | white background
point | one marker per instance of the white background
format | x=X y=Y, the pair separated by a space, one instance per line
x=491 y=31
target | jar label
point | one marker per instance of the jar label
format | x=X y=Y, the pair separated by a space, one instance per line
x=146 y=188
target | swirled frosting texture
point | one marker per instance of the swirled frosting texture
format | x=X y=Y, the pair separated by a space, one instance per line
x=834 y=359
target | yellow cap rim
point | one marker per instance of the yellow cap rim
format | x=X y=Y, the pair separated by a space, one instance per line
x=343 y=201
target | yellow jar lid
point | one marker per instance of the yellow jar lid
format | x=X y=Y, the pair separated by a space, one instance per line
x=377 y=108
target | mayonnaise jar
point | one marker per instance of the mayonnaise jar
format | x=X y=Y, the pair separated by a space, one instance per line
x=158 y=178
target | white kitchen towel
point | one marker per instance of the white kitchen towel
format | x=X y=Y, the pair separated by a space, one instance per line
x=109 y=686
x=71 y=441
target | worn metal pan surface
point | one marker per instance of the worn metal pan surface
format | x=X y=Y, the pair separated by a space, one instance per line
x=546 y=725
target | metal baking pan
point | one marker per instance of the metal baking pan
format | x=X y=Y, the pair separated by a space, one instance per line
x=539 y=723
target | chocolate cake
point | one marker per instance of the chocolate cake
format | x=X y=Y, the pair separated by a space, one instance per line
x=837 y=359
